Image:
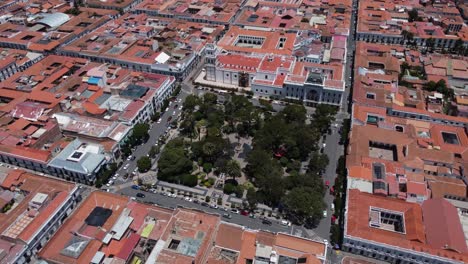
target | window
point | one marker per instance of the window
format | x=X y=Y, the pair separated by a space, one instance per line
x=458 y=155
x=266 y=77
x=370 y=96
x=399 y=128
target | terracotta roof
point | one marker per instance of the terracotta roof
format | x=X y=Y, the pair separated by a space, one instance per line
x=414 y=239
x=443 y=227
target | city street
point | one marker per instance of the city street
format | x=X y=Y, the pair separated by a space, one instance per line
x=332 y=149
x=155 y=132
x=170 y=202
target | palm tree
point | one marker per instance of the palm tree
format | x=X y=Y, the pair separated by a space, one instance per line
x=209 y=149
x=233 y=169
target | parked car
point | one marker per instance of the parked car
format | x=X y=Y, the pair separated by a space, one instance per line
x=175 y=106
x=129 y=158
x=332 y=207
x=159 y=121
x=235 y=211
x=252 y=216
x=135 y=187
x=324 y=213
x=226 y=215
x=205 y=204
x=285 y=223
x=214 y=206
x=140 y=195
x=169 y=119
x=188 y=199
x=244 y=213
x=173 y=195
x=266 y=222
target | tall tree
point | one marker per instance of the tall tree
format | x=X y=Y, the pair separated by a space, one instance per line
x=144 y=164
x=303 y=203
x=233 y=169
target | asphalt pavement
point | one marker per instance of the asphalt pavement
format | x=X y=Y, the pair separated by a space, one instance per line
x=155 y=132
x=169 y=202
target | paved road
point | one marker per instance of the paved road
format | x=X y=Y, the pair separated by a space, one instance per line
x=165 y=201
x=155 y=133
x=332 y=149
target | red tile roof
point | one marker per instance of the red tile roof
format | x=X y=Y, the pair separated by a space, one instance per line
x=415 y=237
x=128 y=247
x=443 y=227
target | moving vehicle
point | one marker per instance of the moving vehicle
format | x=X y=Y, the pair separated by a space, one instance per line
x=140 y=195
x=244 y=213
x=266 y=222
x=135 y=187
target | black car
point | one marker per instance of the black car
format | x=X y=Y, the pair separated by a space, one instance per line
x=205 y=204
x=140 y=195
x=267 y=222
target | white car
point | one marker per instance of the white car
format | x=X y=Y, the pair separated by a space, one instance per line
x=129 y=158
x=180 y=108
x=285 y=223
x=159 y=121
x=324 y=145
x=188 y=199
x=324 y=213
x=114 y=178
x=126 y=166
x=214 y=206
x=173 y=113
x=173 y=195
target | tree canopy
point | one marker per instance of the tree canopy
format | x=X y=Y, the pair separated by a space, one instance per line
x=304 y=203
x=140 y=132
x=174 y=166
x=144 y=164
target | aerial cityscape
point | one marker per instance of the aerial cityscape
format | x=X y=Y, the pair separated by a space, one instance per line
x=233 y=131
